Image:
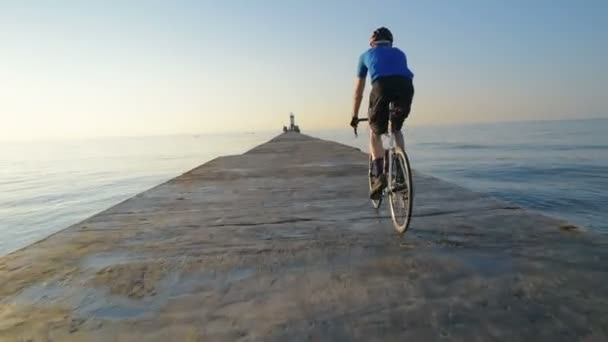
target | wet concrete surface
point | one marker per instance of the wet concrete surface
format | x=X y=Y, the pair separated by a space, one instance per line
x=280 y=243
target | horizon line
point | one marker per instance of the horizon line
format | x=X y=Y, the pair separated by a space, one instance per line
x=279 y=130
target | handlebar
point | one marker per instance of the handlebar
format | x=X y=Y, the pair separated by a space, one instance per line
x=355 y=128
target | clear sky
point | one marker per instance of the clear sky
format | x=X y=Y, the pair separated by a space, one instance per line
x=88 y=68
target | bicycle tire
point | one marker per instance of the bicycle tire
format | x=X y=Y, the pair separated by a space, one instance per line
x=400 y=199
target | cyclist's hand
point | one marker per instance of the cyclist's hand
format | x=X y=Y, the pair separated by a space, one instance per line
x=354 y=121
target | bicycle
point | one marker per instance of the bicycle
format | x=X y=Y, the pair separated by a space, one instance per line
x=400 y=187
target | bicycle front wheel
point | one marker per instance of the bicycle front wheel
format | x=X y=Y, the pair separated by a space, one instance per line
x=400 y=189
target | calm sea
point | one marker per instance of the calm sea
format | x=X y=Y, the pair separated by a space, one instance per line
x=556 y=167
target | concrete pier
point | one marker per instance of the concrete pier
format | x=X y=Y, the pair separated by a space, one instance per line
x=280 y=243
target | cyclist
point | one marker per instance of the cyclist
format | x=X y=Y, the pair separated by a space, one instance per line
x=391 y=81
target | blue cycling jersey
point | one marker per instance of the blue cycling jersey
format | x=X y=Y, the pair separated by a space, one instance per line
x=383 y=60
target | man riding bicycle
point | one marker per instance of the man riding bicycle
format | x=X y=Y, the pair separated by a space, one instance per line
x=391 y=82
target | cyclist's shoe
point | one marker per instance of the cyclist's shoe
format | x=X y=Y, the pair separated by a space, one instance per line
x=378 y=185
x=400 y=187
x=400 y=184
x=399 y=179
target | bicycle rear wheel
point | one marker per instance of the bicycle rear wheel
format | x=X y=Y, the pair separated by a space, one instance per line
x=400 y=189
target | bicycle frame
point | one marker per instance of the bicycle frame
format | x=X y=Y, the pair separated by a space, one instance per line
x=395 y=189
x=390 y=137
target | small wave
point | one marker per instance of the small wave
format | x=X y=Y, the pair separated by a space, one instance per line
x=455 y=146
x=513 y=147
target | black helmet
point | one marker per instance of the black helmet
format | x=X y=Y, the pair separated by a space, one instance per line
x=381 y=34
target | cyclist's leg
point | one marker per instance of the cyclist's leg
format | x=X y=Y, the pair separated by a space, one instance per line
x=378 y=123
x=397 y=125
x=404 y=93
x=375 y=145
x=399 y=139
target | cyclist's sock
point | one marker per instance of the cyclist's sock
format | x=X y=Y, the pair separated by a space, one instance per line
x=379 y=166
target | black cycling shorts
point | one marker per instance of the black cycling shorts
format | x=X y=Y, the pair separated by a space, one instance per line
x=396 y=89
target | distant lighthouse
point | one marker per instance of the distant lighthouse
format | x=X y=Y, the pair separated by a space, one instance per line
x=292 y=124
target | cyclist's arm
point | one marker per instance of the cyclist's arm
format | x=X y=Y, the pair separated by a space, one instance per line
x=359 y=87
